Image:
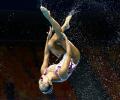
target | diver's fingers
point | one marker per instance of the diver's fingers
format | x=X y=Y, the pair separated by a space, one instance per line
x=50 y=29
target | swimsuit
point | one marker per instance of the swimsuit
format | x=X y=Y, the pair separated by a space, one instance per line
x=71 y=68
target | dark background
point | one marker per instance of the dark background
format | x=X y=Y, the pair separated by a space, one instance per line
x=95 y=31
x=97 y=21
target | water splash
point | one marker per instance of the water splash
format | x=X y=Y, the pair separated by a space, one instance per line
x=41 y=2
x=73 y=12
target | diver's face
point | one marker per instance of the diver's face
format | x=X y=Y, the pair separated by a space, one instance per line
x=43 y=83
x=44 y=79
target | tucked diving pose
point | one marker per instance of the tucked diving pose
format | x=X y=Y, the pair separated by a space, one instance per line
x=58 y=44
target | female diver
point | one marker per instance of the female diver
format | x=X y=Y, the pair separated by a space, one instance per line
x=58 y=44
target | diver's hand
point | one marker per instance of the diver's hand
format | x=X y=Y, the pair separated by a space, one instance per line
x=49 y=33
x=45 y=11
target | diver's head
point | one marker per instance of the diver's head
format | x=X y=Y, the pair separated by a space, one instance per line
x=45 y=85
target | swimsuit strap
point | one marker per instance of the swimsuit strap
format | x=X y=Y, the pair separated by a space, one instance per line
x=56 y=72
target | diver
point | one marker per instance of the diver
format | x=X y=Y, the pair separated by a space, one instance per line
x=58 y=44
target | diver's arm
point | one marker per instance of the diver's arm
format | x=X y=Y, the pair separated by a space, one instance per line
x=68 y=47
x=46 y=57
x=45 y=60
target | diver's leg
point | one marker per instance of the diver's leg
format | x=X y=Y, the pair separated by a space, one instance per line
x=58 y=31
x=66 y=24
x=66 y=59
x=52 y=21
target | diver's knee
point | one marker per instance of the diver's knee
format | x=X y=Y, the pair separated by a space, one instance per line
x=51 y=44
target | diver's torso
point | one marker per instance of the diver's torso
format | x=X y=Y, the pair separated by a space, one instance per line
x=65 y=74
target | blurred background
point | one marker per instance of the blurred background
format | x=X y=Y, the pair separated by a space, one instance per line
x=95 y=30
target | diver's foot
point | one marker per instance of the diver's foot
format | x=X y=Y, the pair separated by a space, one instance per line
x=66 y=26
x=45 y=11
x=72 y=12
x=67 y=22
